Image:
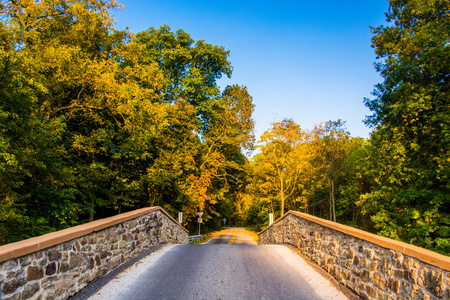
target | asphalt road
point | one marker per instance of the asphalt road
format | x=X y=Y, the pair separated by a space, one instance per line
x=233 y=236
x=230 y=266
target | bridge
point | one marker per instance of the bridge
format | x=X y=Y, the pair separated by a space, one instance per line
x=144 y=254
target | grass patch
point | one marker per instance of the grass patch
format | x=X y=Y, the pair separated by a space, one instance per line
x=253 y=231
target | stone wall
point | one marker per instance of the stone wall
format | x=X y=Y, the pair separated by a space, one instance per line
x=372 y=266
x=59 y=264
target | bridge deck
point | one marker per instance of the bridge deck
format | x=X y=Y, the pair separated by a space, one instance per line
x=230 y=266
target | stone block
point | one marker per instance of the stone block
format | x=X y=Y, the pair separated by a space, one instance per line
x=75 y=260
x=434 y=282
x=9 y=265
x=34 y=273
x=365 y=276
x=91 y=263
x=65 y=255
x=76 y=246
x=377 y=280
x=393 y=284
x=67 y=246
x=50 y=269
x=30 y=290
x=13 y=274
x=356 y=261
x=49 y=294
x=407 y=263
x=54 y=255
x=356 y=271
x=64 y=267
x=43 y=261
x=13 y=297
x=345 y=275
x=371 y=291
x=25 y=261
x=10 y=286
x=114 y=262
x=38 y=255
x=386 y=265
x=398 y=260
x=92 y=239
x=104 y=254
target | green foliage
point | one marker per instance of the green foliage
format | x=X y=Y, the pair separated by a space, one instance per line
x=95 y=121
x=410 y=155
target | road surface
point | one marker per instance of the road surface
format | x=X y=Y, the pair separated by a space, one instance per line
x=230 y=266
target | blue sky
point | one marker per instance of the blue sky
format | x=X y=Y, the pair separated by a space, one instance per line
x=311 y=61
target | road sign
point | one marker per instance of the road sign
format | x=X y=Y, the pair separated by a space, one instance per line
x=199 y=220
x=224 y=221
x=200 y=214
x=270 y=219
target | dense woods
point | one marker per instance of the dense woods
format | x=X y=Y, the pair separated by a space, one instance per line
x=96 y=121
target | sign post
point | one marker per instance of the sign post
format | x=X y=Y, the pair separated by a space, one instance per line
x=224 y=221
x=270 y=219
x=199 y=220
x=180 y=217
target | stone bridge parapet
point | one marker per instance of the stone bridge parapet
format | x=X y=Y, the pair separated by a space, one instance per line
x=372 y=266
x=59 y=264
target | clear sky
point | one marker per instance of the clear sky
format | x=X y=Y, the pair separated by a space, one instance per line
x=311 y=61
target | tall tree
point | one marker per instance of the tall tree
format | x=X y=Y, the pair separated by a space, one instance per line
x=330 y=142
x=280 y=156
x=411 y=120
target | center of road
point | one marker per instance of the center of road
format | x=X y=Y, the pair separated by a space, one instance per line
x=233 y=238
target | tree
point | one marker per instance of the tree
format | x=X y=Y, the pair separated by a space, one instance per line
x=411 y=120
x=280 y=158
x=329 y=142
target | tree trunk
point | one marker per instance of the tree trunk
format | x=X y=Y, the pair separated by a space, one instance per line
x=332 y=200
x=282 y=195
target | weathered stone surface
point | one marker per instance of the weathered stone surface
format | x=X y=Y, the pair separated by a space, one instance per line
x=64 y=267
x=371 y=291
x=370 y=270
x=114 y=262
x=434 y=282
x=62 y=270
x=34 y=273
x=54 y=255
x=76 y=246
x=13 y=274
x=9 y=265
x=12 y=297
x=49 y=294
x=10 y=286
x=393 y=284
x=75 y=260
x=25 y=261
x=30 y=290
x=50 y=269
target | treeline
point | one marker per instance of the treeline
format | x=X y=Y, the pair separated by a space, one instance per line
x=397 y=183
x=95 y=121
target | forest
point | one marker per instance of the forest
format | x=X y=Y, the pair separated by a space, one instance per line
x=95 y=122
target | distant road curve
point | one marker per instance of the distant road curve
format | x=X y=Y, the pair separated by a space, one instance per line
x=233 y=236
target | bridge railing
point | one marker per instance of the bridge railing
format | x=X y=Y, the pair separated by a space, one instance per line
x=59 y=264
x=373 y=266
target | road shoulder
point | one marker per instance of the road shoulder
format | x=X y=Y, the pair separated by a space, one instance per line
x=346 y=291
x=100 y=282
